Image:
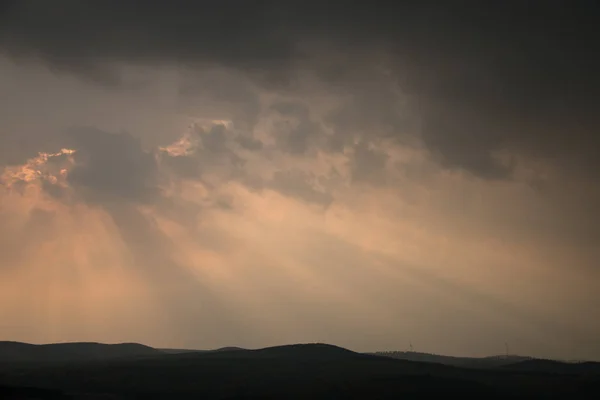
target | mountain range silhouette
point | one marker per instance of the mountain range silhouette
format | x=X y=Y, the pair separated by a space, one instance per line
x=298 y=371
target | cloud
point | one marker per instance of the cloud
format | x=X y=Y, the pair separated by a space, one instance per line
x=45 y=167
x=299 y=185
x=295 y=130
x=208 y=151
x=109 y=166
x=249 y=143
x=368 y=164
x=482 y=79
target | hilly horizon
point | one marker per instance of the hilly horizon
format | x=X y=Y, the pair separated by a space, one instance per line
x=14 y=351
x=310 y=370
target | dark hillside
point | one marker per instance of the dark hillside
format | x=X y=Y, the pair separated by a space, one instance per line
x=16 y=352
x=313 y=371
x=551 y=366
x=466 y=362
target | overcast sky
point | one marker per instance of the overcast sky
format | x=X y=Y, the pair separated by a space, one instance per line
x=252 y=173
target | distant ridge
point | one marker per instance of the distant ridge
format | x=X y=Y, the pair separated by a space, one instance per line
x=230 y=348
x=308 y=349
x=320 y=348
x=298 y=371
x=552 y=366
x=188 y=351
x=312 y=351
x=465 y=362
x=17 y=352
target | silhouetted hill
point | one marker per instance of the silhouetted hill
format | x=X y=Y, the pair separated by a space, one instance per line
x=17 y=352
x=299 y=351
x=465 y=362
x=227 y=349
x=308 y=371
x=309 y=350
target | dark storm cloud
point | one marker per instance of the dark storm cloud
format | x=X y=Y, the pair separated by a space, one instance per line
x=215 y=139
x=294 y=127
x=219 y=93
x=211 y=148
x=111 y=166
x=80 y=35
x=217 y=152
x=482 y=76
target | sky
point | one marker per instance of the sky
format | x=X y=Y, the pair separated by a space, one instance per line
x=200 y=174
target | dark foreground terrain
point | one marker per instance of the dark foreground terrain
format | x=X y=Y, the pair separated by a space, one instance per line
x=313 y=371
